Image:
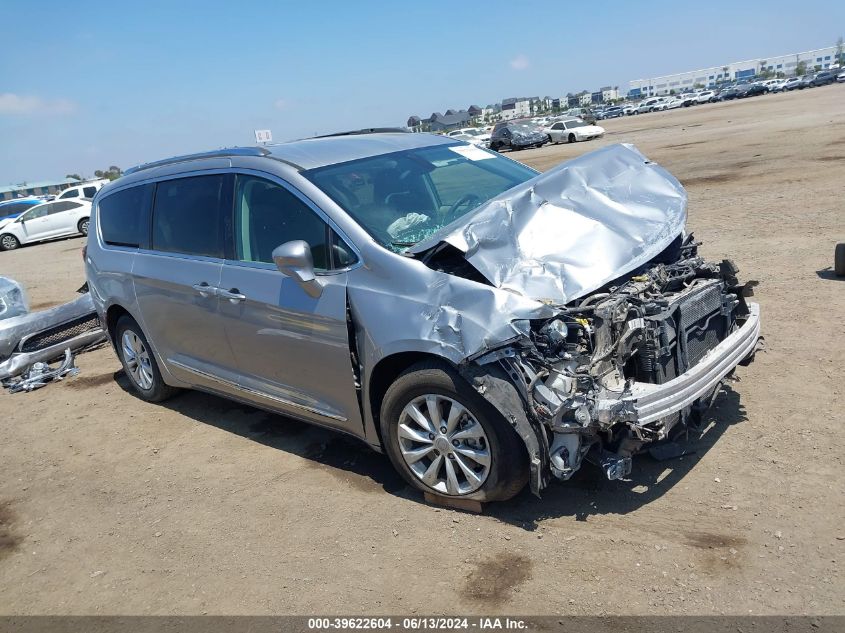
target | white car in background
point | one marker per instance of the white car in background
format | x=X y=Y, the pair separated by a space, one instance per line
x=472 y=135
x=572 y=130
x=88 y=190
x=649 y=105
x=59 y=218
x=672 y=104
x=840 y=77
x=705 y=96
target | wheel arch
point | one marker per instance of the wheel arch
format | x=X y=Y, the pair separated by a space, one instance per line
x=112 y=316
x=385 y=372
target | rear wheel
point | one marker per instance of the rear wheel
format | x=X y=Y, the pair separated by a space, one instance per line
x=82 y=226
x=572 y=138
x=139 y=363
x=444 y=438
x=839 y=260
x=8 y=242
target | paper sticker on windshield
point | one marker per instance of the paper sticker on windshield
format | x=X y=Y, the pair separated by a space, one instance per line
x=471 y=152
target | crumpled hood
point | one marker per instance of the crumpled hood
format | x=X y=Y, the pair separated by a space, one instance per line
x=569 y=231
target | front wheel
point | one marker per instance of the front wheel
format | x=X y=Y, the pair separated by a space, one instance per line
x=9 y=242
x=444 y=438
x=572 y=138
x=138 y=362
x=82 y=226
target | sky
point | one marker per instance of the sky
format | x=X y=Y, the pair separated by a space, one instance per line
x=86 y=85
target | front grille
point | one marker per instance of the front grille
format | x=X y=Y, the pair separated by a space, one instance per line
x=60 y=333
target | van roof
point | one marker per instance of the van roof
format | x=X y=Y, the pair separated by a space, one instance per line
x=312 y=153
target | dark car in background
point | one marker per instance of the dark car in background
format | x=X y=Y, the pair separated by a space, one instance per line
x=806 y=82
x=751 y=90
x=510 y=135
x=612 y=113
x=823 y=78
x=731 y=92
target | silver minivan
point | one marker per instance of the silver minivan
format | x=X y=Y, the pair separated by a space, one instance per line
x=482 y=324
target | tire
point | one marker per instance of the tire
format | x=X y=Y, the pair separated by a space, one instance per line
x=495 y=147
x=82 y=226
x=9 y=242
x=839 y=260
x=143 y=374
x=572 y=138
x=485 y=434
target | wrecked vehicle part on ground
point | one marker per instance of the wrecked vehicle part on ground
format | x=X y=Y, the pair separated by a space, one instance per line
x=40 y=374
x=44 y=336
x=645 y=329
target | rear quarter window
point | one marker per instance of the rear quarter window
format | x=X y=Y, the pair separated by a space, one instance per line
x=124 y=216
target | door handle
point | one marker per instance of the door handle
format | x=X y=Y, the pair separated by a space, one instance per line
x=232 y=295
x=205 y=290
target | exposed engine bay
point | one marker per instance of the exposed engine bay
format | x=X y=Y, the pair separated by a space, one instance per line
x=587 y=376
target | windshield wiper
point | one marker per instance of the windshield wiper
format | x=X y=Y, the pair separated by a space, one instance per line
x=403 y=244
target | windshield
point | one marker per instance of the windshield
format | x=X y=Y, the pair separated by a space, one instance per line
x=402 y=198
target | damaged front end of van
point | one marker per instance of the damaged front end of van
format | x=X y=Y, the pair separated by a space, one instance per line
x=634 y=331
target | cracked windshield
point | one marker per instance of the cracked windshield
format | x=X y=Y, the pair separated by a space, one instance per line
x=405 y=197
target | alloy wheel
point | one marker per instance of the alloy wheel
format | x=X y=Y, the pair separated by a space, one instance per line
x=137 y=359
x=444 y=445
x=9 y=242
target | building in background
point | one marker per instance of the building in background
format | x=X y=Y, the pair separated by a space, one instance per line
x=783 y=65
x=516 y=107
x=38 y=188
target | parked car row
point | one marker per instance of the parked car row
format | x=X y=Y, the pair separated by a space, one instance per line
x=731 y=91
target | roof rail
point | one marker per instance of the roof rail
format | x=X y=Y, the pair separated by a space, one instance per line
x=219 y=153
x=366 y=130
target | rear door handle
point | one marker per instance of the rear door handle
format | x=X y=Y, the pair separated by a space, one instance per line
x=233 y=295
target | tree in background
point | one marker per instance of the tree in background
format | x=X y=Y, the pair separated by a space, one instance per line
x=74 y=176
x=800 y=68
x=840 y=56
x=112 y=173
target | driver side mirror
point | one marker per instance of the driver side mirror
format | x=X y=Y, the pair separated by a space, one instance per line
x=294 y=259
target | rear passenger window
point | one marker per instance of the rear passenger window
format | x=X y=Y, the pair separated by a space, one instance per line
x=89 y=192
x=62 y=205
x=124 y=216
x=186 y=216
x=70 y=193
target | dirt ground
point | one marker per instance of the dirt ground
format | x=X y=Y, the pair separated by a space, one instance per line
x=111 y=505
